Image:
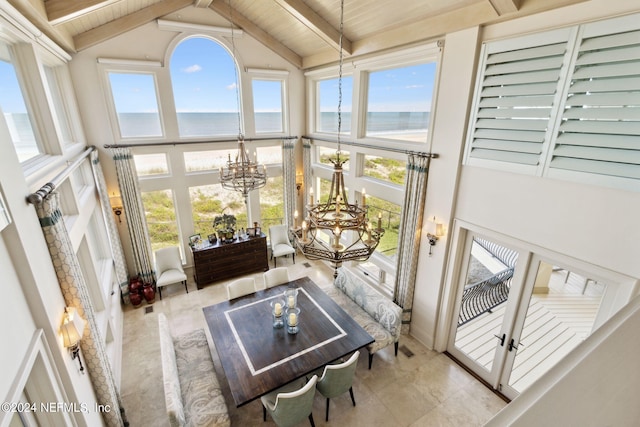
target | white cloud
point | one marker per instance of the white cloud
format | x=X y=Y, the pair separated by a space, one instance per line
x=413 y=86
x=232 y=86
x=192 y=69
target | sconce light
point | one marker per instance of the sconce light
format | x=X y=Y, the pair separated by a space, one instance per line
x=438 y=231
x=299 y=182
x=116 y=205
x=72 y=329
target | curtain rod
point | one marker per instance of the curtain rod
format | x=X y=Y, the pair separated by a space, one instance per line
x=375 y=147
x=45 y=190
x=157 y=144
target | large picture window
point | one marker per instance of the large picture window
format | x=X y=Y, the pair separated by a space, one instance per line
x=14 y=108
x=399 y=102
x=205 y=89
x=327 y=97
x=136 y=104
x=160 y=213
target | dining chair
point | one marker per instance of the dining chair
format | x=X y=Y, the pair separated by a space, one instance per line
x=169 y=268
x=241 y=287
x=276 y=276
x=291 y=404
x=337 y=379
x=280 y=244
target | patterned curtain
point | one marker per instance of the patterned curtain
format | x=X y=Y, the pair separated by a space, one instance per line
x=133 y=208
x=289 y=179
x=112 y=230
x=409 y=246
x=307 y=171
x=75 y=293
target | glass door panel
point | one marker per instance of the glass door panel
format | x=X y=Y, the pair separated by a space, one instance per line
x=483 y=306
x=560 y=314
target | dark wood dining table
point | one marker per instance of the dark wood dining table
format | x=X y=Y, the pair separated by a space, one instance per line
x=258 y=358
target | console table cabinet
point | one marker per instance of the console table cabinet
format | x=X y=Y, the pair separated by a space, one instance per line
x=221 y=261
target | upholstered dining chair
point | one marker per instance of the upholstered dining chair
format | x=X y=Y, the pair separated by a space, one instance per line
x=241 y=287
x=337 y=379
x=291 y=404
x=276 y=276
x=280 y=244
x=169 y=268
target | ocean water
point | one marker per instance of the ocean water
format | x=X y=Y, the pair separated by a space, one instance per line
x=147 y=125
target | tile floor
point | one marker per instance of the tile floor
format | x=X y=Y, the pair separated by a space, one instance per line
x=426 y=389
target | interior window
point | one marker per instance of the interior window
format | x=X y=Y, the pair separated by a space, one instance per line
x=205 y=89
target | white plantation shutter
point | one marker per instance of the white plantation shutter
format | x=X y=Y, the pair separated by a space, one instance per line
x=517 y=94
x=600 y=128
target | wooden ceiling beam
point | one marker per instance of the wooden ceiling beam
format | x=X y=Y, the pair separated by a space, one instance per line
x=503 y=7
x=222 y=9
x=310 y=19
x=202 y=3
x=37 y=16
x=128 y=23
x=60 y=11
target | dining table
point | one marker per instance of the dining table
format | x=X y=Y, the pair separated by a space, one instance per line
x=259 y=353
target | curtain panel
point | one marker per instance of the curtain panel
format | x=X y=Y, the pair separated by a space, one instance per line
x=409 y=245
x=134 y=211
x=119 y=263
x=289 y=179
x=76 y=294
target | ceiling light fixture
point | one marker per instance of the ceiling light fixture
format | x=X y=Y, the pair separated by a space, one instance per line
x=241 y=174
x=336 y=230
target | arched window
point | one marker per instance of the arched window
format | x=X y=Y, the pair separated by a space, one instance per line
x=205 y=89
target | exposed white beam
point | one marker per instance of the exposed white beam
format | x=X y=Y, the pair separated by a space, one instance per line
x=503 y=7
x=202 y=3
x=222 y=9
x=310 y=19
x=128 y=22
x=59 y=11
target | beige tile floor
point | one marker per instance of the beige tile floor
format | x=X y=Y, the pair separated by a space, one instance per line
x=426 y=389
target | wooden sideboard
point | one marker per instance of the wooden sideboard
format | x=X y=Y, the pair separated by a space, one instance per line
x=221 y=261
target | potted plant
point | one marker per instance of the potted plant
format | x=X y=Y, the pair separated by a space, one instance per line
x=225 y=225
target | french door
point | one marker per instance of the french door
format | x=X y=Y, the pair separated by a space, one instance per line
x=518 y=314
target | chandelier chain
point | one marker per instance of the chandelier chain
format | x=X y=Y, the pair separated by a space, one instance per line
x=235 y=68
x=340 y=60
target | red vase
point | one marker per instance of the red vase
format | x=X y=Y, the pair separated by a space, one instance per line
x=135 y=285
x=149 y=293
x=135 y=298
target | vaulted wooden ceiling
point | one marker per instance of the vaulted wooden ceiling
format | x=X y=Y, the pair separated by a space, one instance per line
x=304 y=32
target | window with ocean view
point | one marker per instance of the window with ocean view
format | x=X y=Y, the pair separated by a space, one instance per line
x=136 y=104
x=399 y=102
x=327 y=98
x=325 y=155
x=267 y=106
x=205 y=89
x=14 y=109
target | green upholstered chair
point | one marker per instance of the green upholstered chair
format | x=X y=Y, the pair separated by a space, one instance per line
x=337 y=379
x=290 y=404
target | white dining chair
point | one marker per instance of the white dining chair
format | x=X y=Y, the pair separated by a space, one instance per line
x=276 y=276
x=241 y=287
x=291 y=404
x=169 y=268
x=280 y=244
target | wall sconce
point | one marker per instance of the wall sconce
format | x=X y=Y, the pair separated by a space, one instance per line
x=72 y=329
x=116 y=205
x=436 y=231
x=299 y=183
